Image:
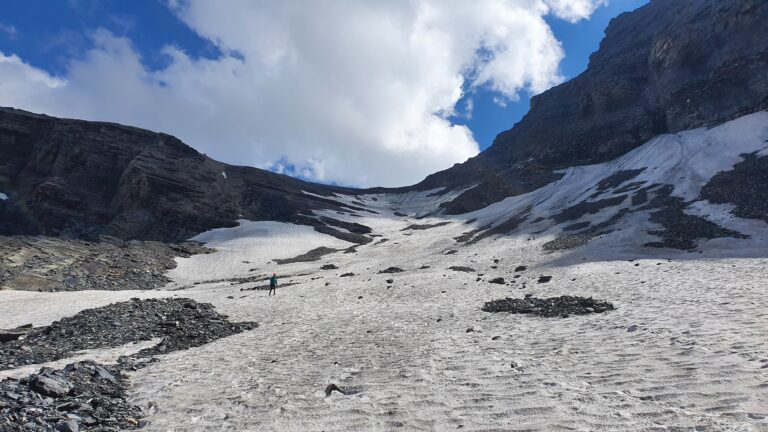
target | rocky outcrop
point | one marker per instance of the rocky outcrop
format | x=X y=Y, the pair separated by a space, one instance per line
x=745 y=186
x=84 y=179
x=666 y=67
x=39 y=263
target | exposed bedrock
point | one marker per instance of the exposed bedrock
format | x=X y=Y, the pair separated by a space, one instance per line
x=745 y=186
x=83 y=179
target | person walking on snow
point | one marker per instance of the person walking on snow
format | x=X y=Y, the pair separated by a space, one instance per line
x=273 y=284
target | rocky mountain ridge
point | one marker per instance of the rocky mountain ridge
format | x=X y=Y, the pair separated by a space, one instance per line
x=666 y=67
x=81 y=179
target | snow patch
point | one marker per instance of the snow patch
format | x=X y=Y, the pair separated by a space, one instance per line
x=249 y=249
x=687 y=160
x=3 y=196
x=18 y=308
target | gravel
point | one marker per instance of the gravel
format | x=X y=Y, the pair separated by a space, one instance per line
x=180 y=322
x=55 y=264
x=562 y=306
x=82 y=396
x=87 y=395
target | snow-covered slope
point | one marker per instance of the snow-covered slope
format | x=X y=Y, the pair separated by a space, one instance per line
x=684 y=350
x=686 y=160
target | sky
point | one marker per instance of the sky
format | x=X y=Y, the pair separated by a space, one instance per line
x=349 y=92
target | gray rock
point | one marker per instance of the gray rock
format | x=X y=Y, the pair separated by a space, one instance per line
x=50 y=385
x=130 y=183
x=333 y=388
x=67 y=426
x=9 y=335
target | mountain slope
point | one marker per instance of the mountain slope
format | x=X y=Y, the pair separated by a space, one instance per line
x=669 y=66
x=85 y=179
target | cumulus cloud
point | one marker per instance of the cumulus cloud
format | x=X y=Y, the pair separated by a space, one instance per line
x=353 y=92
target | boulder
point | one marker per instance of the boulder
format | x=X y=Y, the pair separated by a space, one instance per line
x=67 y=426
x=50 y=385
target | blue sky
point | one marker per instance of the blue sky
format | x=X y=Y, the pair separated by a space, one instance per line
x=57 y=38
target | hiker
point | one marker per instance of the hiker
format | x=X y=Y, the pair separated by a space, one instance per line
x=273 y=284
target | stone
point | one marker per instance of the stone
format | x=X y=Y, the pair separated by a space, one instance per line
x=333 y=388
x=544 y=279
x=67 y=426
x=50 y=385
x=464 y=269
x=497 y=280
x=392 y=270
x=520 y=268
x=10 y=335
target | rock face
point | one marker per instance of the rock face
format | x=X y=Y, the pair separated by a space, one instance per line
x=666 y=67
x=83 y=179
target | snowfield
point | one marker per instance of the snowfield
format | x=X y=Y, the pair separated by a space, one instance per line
x=686 y=348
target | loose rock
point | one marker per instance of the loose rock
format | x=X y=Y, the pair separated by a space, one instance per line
x=83 y=395
x=462 y=269
x=392 y=270
x=549 y=307
x=181 y=323
x=332 y=388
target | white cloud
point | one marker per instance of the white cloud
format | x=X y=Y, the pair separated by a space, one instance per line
x=574 y=10
x=355 y=92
